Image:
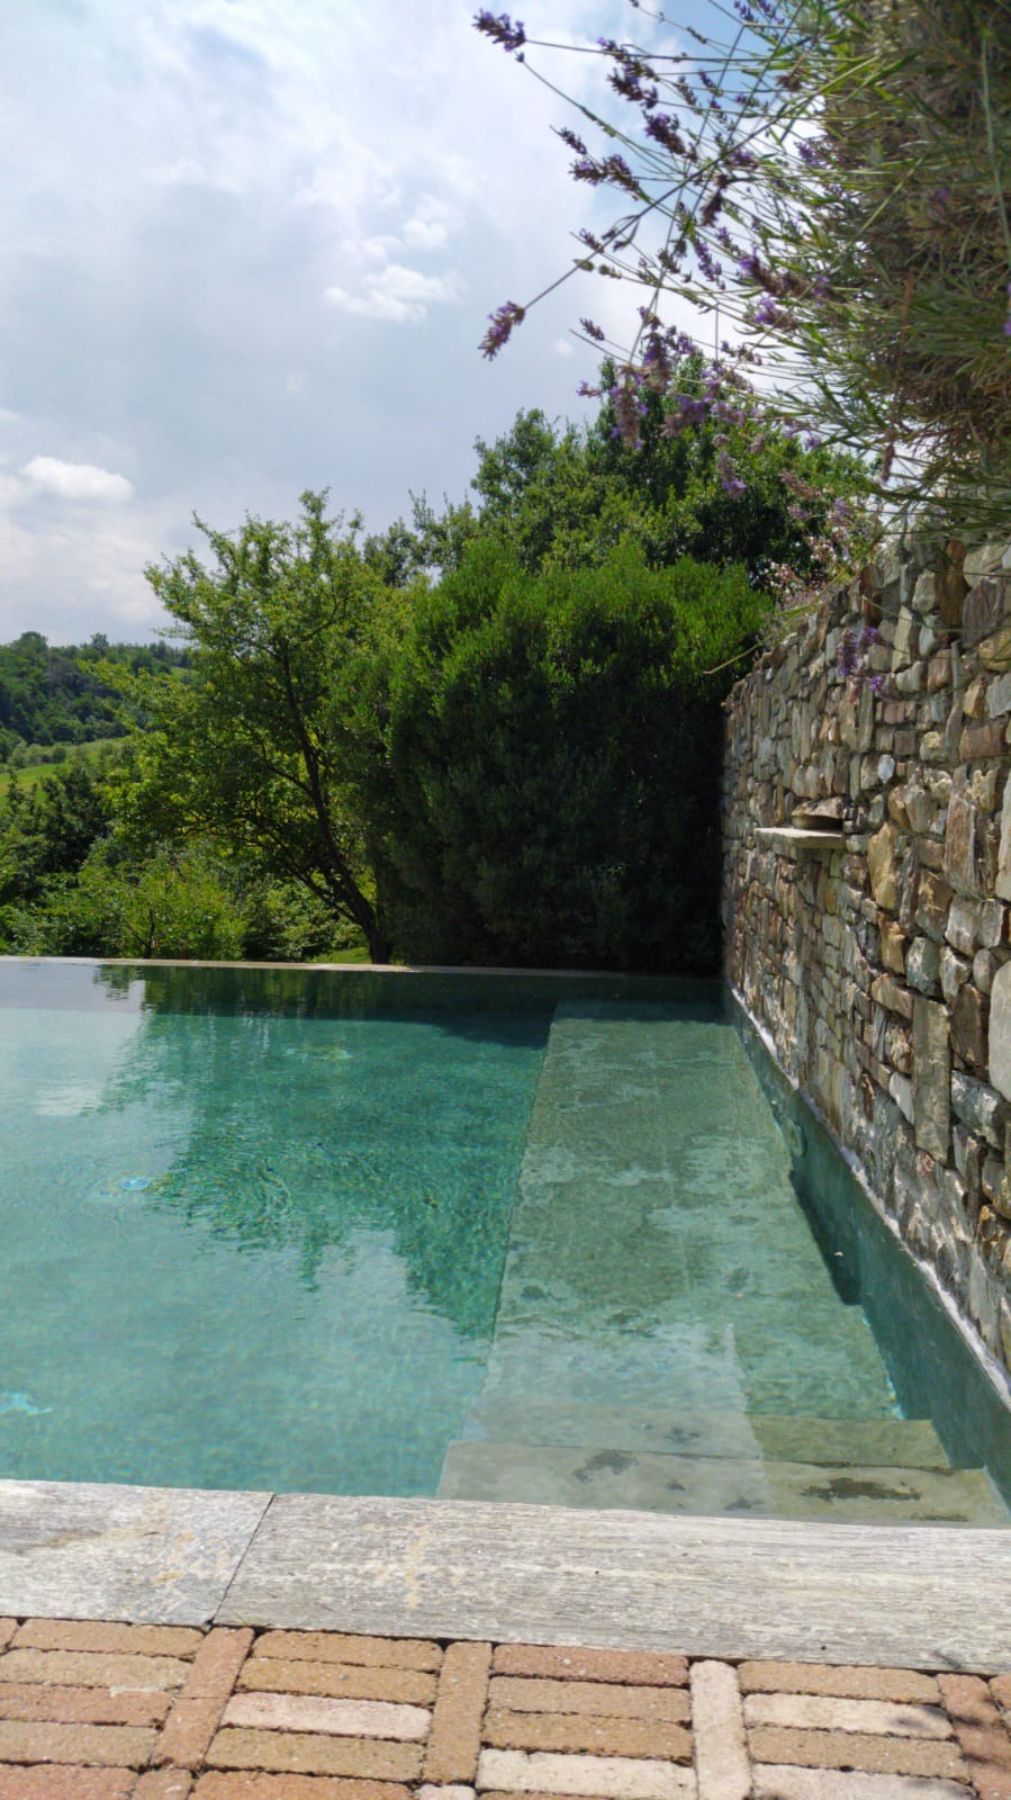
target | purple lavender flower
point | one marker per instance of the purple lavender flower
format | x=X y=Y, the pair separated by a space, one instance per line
x=730 y=481
x=750 y=266
x=574 y=142
x=503 y=322
x=848 y=655
x=663 y=130
x=501 y=30
x=592 y=331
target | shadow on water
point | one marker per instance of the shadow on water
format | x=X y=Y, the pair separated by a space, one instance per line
x=934 y=1372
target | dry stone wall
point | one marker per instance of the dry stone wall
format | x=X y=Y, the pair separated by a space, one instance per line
x=876 y=953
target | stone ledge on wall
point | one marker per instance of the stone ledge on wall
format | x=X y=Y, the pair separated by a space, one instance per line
x=878 y=961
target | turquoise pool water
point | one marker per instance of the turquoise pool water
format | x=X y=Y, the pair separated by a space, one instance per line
x=361 y=1234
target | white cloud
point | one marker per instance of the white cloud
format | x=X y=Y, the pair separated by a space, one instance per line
x=398 y=294
x=76 y=481
x=432 y=224
x=261 y=179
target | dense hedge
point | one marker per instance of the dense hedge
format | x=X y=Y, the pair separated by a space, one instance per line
x=553 y=758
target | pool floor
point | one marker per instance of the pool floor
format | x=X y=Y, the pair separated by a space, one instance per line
x=547 y=1250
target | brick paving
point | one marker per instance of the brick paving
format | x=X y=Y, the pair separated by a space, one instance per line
x=99 y=1711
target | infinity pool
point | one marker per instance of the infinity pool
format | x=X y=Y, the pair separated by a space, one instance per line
x=484 y=1236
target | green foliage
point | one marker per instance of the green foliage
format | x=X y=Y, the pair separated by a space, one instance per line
x=70 y=886
x=176 y=903
x=835 y=178
x=61 y=695
x=257 y=750
x=554 y=763
x=566 y=497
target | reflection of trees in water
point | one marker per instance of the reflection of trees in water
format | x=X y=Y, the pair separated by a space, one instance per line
x=289 y=1146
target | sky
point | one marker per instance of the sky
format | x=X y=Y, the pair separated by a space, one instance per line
x=249 y=247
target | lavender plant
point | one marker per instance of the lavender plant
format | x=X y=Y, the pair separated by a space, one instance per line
x=835 y=177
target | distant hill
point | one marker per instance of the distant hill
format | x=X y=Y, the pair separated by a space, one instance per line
x=53 y=694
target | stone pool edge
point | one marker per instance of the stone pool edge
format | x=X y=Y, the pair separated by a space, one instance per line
x=917 y=1596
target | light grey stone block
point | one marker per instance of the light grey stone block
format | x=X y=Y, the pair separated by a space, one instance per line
x=919 y=1596
x=78 y=1550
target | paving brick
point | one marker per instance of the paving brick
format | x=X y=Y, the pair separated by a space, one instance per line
x=577 y=1732
x=217 y=1664
x=337 y=1646
x=604 y=1698
x=886 y=1718
x=610 y=1777
x=339 y=1681
x=1000 y=1687
x=455 y=1739
x=531 y=1794
x=845 y=1683
x=772 y=1783
x=722 y=1766
x=82 y=1706
x=7 y=1629
x=248 y=1785
x=67 y=1783
x=452 y=1791
x=164 y=1784
x=93 y=1634
x=985 y=1743
x=856 y=1750
x=119 y=1746
x=82 y=1668
x=340 y=1718
x=638 y=1668
x=302 y=1753
x=188 y=1731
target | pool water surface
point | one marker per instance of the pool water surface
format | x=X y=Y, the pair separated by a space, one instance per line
x=406 y=1235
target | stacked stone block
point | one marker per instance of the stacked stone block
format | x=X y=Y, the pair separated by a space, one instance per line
x=881 y=969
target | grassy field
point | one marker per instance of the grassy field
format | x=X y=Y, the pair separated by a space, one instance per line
x=29 y=778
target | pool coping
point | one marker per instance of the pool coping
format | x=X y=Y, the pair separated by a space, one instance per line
x=918 y=1596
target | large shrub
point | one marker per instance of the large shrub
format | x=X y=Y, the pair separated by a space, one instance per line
x=553 y=759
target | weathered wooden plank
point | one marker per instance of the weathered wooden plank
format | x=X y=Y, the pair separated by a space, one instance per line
x=76 y=1550
x=915 y=1596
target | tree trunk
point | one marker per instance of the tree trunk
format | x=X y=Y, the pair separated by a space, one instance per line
x=380 y=946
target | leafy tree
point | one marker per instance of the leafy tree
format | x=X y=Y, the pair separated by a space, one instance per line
x=258 y=748
x=53 y=694
x=566 y=496
x=554 y=762
x=173 y=903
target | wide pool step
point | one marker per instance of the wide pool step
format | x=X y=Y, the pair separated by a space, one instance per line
x=557 y=1475
x=882 y=1443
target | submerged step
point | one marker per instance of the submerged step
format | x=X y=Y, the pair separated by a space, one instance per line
x=543 y=1474
x=881 y=1443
